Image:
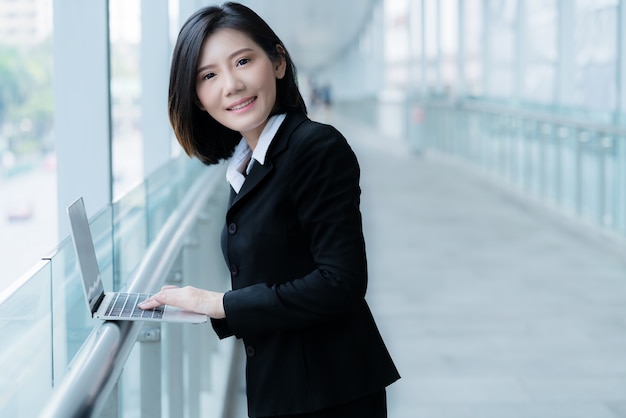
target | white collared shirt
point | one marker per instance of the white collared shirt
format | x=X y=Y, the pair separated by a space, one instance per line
x=243 y=156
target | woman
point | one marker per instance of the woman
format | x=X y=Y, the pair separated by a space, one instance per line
x=293 y=236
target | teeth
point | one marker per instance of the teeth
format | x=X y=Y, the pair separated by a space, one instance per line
x=242 y=105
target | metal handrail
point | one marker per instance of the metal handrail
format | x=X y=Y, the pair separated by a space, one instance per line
x=544 y=117
x=98 y=365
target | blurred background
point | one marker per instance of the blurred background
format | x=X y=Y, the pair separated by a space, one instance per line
x=554 y=56
x=492 y=140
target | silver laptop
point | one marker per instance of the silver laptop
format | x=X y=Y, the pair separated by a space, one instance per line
x=115 y=306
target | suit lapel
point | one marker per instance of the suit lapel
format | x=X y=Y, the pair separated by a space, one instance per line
x=258 y=172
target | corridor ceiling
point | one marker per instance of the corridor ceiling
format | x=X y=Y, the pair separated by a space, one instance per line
x=315 y=31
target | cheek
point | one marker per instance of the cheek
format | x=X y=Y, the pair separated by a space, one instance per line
x=269 y=86
x=206 y=98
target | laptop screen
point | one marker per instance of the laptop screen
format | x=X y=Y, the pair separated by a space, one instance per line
x=86 y=253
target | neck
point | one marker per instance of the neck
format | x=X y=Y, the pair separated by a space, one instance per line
x=252 y=142
x=252 y=136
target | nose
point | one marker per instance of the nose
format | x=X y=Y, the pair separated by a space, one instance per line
x=232 y=83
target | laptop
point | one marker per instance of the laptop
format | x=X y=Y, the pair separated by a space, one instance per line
x=113 y=306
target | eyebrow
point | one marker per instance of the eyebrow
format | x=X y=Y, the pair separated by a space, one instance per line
x=231 y=56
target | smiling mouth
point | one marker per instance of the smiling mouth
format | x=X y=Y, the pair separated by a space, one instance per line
x=242 y=104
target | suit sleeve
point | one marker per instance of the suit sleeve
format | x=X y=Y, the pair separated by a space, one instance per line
x=324 y=179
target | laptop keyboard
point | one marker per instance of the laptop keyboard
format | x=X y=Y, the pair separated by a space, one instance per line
x=124 y=305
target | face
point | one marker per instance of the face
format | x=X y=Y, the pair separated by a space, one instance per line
x=236 y=82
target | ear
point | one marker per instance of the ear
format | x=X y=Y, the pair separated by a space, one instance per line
x=280 y=64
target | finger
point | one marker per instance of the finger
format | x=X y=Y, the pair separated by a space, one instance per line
x=149 y=304
x=169 y=286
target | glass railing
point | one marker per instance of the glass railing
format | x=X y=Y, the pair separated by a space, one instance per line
x=26 y=350
x=47 y=330
x=571 y=164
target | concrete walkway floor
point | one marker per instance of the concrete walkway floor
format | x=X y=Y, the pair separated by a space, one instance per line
x=491 y=306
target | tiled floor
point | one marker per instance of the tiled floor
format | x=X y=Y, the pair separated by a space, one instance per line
x=491 y=306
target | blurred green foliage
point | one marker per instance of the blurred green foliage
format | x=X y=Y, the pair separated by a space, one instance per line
x=26 y=98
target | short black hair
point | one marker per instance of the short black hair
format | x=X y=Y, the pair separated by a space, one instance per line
x=198 y=133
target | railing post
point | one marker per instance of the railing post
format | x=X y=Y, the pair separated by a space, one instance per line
x=174 y=370
x=544 y=136
x=605 y=214
x=620 y=186
x=173 y=346
x=111 y=408
x=561 y=136
x=150 y=370
x=581 y=139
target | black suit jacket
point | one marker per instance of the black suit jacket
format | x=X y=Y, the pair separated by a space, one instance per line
x=293 y=241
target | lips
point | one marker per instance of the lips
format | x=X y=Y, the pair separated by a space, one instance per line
x=242 y=104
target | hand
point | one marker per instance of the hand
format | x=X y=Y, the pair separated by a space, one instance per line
x=188 y=298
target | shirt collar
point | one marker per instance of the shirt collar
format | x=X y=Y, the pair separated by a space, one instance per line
x=268 y=134
x=243 y=156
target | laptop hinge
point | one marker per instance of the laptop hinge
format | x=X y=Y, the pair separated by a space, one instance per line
x=97 y=304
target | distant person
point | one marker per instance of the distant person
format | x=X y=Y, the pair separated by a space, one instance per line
x=325 y=93
x=292 y=238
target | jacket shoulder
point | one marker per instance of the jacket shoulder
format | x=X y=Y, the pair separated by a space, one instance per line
x=312 y=129
x=303 y=135
x=314 y=137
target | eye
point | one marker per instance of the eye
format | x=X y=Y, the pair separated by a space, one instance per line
x=243 y=61
x=208 y=76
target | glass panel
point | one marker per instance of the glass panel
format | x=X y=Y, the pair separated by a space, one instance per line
x=25 y=360
x=142 y=213
x=72 y=322
x=100 y=226
x=130 y=234
x=160 y=189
